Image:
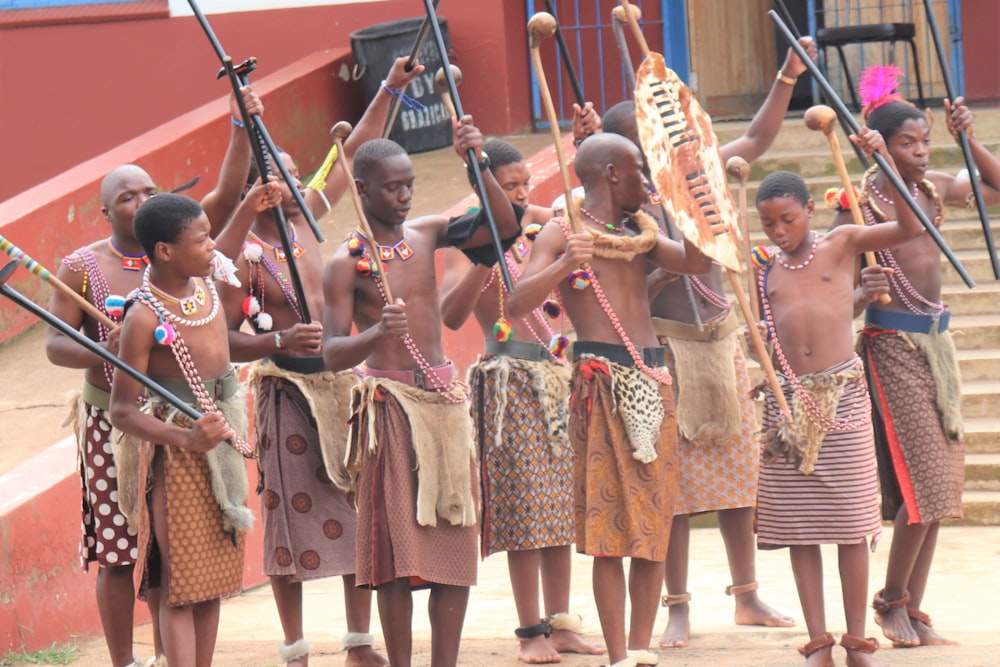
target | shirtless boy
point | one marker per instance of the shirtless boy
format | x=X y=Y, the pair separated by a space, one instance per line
x=412 y=435
x=818 y=480
x=192 y=520
x=625 y=461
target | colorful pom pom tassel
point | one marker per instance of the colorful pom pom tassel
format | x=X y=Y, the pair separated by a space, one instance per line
x=579 y=279
x=760 y=256
x=558 y=345
x=251 y=306
x=551 y=308
x=264 y=321
x=502 y=330
x=164 y=334
x=830 y=197
x=355 y=246
x=366 y=267
x=114 y=305
x=532 y=230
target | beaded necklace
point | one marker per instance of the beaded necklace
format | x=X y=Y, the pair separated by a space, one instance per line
x=278 y=250
x=95 y=280
x=401 y=248
x=901 y=285
x=710 y=295
x=173 y=318
x=129 y=262
x=617 y=229
x=809 y=259
x=813 y=412
x=189 y=304
x=182 y=354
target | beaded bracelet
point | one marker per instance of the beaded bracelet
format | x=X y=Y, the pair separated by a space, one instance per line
x=237 y=122
x=783 y=78
x=410 y=102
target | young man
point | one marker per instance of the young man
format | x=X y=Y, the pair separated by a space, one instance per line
x=114 y=265
x=411 y=435
x=520 y=394
x=719 y=453
x=818 y=481
x=909 y=357
x=183 y=490
x=301 y=407
x=621 y=420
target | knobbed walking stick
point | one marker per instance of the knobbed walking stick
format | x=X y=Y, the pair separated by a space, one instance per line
x=411 y=62
x=821 y=117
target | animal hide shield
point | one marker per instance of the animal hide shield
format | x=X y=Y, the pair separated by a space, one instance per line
x=683 y=156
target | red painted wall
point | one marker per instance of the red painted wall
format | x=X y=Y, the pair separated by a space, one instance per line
x=70 y=92
x=981 y=49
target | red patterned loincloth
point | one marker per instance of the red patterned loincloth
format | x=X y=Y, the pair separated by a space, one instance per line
x=920 y=464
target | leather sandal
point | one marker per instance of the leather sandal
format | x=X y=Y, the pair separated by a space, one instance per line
x=863 y=644
x=674 y=600
x=742 y=588
x=816 y=643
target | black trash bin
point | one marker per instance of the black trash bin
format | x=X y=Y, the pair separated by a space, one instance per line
x=376 y=47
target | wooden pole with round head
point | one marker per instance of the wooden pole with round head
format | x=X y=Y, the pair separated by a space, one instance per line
x=738 y=167
x=541 y=26
x=619 y=19
x=441 y=83
x=632 y=15
x=340 y=132
x=822 y=118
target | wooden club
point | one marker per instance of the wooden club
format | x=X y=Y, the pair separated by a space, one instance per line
x=441 y=83
x=822 y=117
x=340 y=132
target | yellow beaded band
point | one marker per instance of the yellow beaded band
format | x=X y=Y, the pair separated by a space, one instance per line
x=785 y=79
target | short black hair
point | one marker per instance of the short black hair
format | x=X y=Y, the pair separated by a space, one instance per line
x=502 y=153
x=254 y=172
x=783 y=184
x=371 y=153
x=162 y=219
x=888 y=118
x=619 y=118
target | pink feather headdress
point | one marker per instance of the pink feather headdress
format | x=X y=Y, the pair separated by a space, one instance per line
x=878 y=86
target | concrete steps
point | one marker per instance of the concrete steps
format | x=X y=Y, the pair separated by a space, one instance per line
x=975 y=312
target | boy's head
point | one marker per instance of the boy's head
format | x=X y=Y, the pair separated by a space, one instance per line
x=174 y=229
x=907 y=137
x=785 y=208
x=620 y=119
x=612 y=166
x=509 y=169
x=384 y=177
x=122 y=191
x=889 y=118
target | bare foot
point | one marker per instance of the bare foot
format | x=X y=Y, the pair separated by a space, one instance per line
x=365 y=656
x=565 y=641
x=678 y=627
x=895 y=624
x=862 y=659
x=928 y=636
x=537 y=651
x=299 y=662
x=751 y=611
x=821 y=658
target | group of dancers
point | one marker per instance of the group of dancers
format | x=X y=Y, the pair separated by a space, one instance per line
x=606 y=408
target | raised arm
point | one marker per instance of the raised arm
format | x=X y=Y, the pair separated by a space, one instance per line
x=678 y=257
x=260 y=198
x=956 y=192
x=767 y=121
x=461 y=287
x=546 y=268
x=220 y=203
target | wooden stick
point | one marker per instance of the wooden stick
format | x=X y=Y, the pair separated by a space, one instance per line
x=540 y=26
x=758 y=344
x=618 y=21
x=340 y=131
x=574 y=81
x=441 y=83
x=40 y=271
x=633 y=21
x=821 y=117
x=738 y=167
x=411 y=62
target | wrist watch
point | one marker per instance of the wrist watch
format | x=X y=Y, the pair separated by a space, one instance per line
x=484 y=162
x=277 y=340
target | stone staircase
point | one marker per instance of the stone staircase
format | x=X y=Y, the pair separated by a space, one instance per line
x=975 y=321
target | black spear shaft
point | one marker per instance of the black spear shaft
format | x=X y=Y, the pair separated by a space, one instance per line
x=845 y=115
x=253 y=123
x=418 y=43
x=76 y=336
x=787 y=16
x=963 y=141
x=564 y=52
x=470 y=154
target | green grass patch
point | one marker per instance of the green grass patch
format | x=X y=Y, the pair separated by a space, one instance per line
x=57 y=654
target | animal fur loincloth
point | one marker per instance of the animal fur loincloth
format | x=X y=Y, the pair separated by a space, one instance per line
x=637 y=401
x=919 y=444
x=226 y=465
x=442 y=441
x=550 y=382
x=623 y=508
x=801 y=440
x=707 y=407
x=329 y=397
x=520 y=411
